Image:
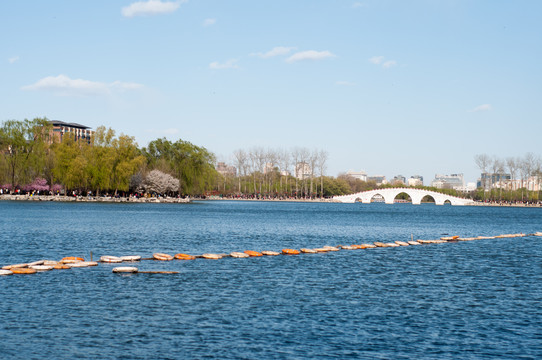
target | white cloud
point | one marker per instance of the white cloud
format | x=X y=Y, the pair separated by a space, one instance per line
x=13 y=59
x=358 y=5
x=209 y=22
x=377 y=60
x=230 y=64
x=483 y=107
x=309 y=55
x=151 y=7
x=63 y=85
x=388 y=64
x=276 y=51
x=344 y=83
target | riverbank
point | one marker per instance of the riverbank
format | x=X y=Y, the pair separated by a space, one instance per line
x=109 y=199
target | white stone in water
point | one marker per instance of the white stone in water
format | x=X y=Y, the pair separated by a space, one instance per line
x=110 y=259
x=15 y=266
x=39 y=262
x=131 y=258
x=236 y=254
x=41 y=268
x=212 y=256
x=50 y=262
x=125 y=269
x=81 y=264
x=270 y=253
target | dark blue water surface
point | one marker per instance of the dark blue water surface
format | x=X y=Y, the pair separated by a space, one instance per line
x=466 y=300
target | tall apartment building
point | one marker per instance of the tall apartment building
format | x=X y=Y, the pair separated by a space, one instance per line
x=452 y=181
x=78 y=132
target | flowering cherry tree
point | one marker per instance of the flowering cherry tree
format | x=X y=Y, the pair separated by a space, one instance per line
x=160 y=183
x=39 y=184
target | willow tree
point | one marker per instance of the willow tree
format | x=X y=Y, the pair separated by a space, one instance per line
x=71 y=164
x=23 y=144
x=191 y=164
x=100 y=159
x=127 y=160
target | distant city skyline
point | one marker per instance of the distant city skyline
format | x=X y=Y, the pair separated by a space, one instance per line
x=387 y=87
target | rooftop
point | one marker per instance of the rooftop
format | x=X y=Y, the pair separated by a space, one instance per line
x=73 y=125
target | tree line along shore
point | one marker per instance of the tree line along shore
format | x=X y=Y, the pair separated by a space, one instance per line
x=34 y=162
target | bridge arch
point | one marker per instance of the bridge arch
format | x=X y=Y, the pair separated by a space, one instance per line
x=428 y=199
x=396 y=199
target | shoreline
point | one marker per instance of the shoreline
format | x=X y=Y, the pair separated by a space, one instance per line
x=63 y=198
x=172 y=200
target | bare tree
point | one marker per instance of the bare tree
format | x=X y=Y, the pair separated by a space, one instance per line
x=512 y=166
x=483 y=161
x=322 y=159
x=494 y=164
x=283 y=158
x=499 y=165
x=240 y=161
x=296 y=156
x=527 y=167
x=253 y=156
x=304 y=154
x=313 y=160
x=270 y=163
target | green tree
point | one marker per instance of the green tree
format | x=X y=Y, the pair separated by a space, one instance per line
x=23 y=144
x=100 y=159
x=127 y=161
x=70 y=166
x=191 y=164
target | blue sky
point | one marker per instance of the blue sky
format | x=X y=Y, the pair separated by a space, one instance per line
x=388 y=87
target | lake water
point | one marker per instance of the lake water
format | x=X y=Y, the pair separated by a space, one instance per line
x=470 y=300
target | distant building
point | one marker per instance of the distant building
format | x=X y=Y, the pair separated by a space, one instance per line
x=77 y=132
x=415 y=180
x=268 y=168
x=302 y=170
x=453 y=181
x=285 y=173
x=489 y=181
x=532 y=183
x=399 y=180
x=226 y=170
x=361 y=175
x=378 y=179
x=468 y=188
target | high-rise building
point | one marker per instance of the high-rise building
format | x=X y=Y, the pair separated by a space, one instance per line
x=399 y=180
x=452 y=181
x=378 y=179
x=361 y=175
x=415 y=180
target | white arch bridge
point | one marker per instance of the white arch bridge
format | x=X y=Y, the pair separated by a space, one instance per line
x=390 y=194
